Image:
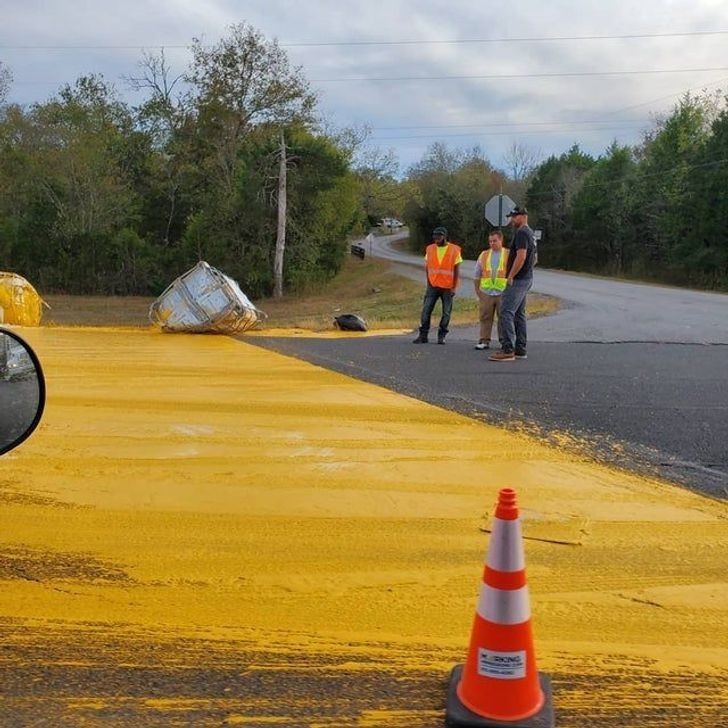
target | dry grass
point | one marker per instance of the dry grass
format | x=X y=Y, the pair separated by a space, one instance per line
x=383 y=298
x=365 y=287
x=97 y=310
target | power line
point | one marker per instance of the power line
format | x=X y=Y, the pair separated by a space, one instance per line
x=536 y=39
x=570 y=74
x=614 y=112
x=319 y=44
x=512 y=123
x=512 y=133
x=669 y=96
x=92 y=47
x=492 y=77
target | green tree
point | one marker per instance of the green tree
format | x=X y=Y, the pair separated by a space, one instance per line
x=603 y=227
x=666 y=158
x=381 y=194
x=702 y=251
x=237 y=232
x=242 y=81
x=74 y=160
x=550 y=200
x=450 y=187
x=96 y=196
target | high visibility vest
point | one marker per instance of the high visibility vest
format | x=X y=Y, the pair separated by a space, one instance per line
x=501 y=279
x=441 y=274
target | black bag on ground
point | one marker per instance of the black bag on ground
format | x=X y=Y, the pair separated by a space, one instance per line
x=350 y=322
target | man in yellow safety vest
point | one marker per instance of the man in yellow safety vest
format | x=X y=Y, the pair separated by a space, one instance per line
x=442 y=261
x=490 y=282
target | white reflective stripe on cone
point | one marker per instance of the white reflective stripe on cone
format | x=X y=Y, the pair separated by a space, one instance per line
x=505 y=550
x=504 y=606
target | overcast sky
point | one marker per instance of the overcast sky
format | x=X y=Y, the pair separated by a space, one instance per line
x=538 y=111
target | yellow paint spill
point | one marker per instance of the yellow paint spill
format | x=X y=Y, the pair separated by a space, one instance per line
x=86 y=704
x=197 y=487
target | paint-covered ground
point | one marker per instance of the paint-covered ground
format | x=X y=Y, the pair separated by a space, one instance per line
x=203 y=532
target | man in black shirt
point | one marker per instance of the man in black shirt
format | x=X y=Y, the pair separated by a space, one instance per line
x=520 y=279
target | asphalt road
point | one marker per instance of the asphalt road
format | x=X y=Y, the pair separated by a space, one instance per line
x=599 y=309
x=638 y=373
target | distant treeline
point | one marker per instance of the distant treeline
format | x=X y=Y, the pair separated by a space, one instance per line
x=658 y=210
x=97 y=196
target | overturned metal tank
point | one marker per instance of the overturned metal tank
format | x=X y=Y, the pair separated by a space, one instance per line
x=204 y=300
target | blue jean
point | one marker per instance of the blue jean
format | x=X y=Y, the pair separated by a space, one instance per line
x=432 y=294
x=513 y=315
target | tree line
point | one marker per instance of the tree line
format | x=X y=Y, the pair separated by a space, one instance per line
x=100 y=196
x=657 y=210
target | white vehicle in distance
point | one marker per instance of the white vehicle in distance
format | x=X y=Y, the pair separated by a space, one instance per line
x=391 y=222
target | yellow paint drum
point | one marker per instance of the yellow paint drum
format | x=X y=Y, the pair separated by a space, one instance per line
x=19 y=302
x=202 y=530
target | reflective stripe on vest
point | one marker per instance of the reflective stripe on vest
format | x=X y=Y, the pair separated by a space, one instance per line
x=441 y=274
x=486 y=281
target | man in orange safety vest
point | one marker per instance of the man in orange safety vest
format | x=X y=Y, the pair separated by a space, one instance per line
x=442 y=261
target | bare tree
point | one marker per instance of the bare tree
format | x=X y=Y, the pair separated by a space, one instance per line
x=6 y=78
x=162 y=110
x=520 y=161
x=377 y=170
x=438 y=158
x=162 y=114
x=350 y=139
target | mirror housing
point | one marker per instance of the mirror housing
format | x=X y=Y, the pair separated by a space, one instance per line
x=22 y=390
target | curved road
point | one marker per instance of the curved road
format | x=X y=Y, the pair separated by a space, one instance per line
x=603 y=310
x=637 y=373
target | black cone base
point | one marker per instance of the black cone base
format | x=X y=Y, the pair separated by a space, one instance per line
x=458 y=716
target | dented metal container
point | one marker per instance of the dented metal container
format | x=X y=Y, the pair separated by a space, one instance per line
x=204 y=300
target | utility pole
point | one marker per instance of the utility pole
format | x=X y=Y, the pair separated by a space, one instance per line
x=281 y=233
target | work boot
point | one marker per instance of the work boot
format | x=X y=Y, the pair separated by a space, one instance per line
x=502 y=356
x=420 y=340
x=441 y=338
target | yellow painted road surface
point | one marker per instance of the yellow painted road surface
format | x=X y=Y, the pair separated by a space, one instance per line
x=205 y=533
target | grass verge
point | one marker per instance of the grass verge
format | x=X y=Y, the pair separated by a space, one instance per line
x=366 y=287
x=382 y=297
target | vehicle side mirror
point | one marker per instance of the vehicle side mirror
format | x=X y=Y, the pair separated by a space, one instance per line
x=22 y=391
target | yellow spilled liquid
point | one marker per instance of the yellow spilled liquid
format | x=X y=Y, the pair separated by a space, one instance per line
x=204 y=531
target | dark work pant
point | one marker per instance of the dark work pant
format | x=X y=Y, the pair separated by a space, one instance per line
x=513 y=315
x=432 y=294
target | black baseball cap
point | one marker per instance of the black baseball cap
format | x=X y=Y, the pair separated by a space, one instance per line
x=517 y=211
x=440 y=231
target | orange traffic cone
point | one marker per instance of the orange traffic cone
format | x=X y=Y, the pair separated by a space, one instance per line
x=499 y=684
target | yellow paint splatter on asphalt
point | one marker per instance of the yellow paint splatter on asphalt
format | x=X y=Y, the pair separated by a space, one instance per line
x=213 y=513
